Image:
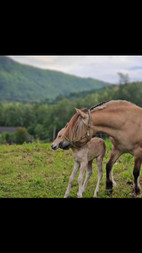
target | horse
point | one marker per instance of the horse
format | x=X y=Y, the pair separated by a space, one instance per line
x=83 y=158
x=121 y=120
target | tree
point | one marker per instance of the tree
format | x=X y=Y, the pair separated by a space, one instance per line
x=123 y=78
x=21 y=135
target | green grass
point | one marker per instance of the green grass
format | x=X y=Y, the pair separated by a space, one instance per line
x=36 y=171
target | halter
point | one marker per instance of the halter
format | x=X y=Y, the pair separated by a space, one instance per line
x=84 y=136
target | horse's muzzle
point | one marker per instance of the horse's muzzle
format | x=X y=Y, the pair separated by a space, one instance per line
x=64 y=145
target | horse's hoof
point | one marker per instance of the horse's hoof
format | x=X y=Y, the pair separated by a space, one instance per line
x=136 y=190
x=109 y=186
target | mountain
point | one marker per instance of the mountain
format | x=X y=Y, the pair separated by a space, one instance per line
x=19 y=82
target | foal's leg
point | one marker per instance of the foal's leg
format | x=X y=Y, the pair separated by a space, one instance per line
x=99 y=161
x=80 y=178
x=88 y=175
x=136 y=173
x=115 y=154
x=72 y=177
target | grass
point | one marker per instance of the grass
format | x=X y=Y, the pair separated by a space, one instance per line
x=36 y=171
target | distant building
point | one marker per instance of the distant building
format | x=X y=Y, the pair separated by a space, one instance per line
x=13 y=130
x=8 y=129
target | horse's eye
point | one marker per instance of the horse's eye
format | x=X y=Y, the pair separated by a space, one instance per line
x=59 y=136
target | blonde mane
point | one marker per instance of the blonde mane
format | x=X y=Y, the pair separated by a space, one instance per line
x=75 y=126
x=109 y=103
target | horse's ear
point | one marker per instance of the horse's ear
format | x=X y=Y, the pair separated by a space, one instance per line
x=82 y=114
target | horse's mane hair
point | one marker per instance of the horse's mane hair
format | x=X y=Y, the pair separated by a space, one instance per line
x=108 y=103
x=96 y=106
x=74 y=129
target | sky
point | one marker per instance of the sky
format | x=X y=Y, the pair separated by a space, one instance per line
x=104 y=68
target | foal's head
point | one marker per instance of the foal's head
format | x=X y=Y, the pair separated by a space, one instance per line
x=55 y=144
x=76 y=132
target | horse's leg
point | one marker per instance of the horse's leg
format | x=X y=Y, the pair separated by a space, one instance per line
x=115 y=154
x=99 y=161
x=72 y=177
x=88 y=175
x=136 y=173
x=80 y=178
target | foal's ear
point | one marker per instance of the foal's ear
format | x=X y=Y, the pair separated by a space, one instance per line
x=82 y=114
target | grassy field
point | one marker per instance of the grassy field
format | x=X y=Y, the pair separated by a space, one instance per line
x=36 y=171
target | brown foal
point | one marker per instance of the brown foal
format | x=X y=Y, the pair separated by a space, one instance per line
x=83 y=158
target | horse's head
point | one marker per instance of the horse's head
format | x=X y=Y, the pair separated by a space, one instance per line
x=55 y=144
x=78 y=131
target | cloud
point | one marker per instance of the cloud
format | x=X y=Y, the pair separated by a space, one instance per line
x=135 y=68
x=100 y=67
x=37 y=61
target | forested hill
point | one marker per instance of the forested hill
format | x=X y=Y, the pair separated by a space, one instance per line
x=24 y=83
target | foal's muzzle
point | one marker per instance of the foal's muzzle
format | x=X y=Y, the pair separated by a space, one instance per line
x=54 y=147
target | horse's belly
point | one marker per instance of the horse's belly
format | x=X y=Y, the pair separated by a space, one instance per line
x=125 y=148
x=123 y=145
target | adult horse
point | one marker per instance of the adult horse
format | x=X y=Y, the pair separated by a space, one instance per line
x=119 y=119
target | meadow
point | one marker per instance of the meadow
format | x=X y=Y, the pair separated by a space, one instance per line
x=34 y=170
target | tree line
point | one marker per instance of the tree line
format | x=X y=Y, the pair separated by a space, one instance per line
x=45 y=120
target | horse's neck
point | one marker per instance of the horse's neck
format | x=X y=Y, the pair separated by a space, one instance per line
x=102 y=122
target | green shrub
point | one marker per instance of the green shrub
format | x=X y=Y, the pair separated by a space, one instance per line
x=21 y=135
x=7 y=138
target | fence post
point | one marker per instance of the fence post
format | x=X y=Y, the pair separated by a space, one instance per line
x=54 y=133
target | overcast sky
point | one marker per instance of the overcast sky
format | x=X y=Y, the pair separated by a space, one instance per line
x=104 y=68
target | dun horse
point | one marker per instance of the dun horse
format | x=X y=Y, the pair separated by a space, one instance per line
x=83 y=158
x=122 y=121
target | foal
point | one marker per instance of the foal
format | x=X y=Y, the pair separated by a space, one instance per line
x=83 y=158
